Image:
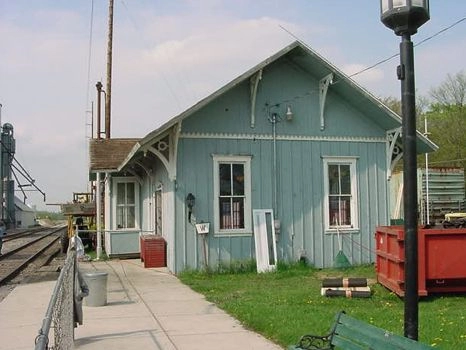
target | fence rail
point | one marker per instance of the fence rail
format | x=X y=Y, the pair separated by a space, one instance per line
x=65 y=308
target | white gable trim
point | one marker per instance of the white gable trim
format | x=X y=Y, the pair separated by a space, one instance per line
x=226 y=136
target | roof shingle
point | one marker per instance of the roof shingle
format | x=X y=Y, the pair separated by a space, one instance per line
x=108 y=154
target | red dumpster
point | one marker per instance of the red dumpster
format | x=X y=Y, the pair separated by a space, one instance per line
x=441 y=259
x=153 y=251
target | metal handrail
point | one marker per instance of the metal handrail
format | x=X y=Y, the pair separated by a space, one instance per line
x=42 y=339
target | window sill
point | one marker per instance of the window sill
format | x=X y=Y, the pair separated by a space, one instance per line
x=342 y=230
x=232 y=234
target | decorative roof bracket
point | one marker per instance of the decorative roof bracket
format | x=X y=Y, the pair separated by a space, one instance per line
x=138 y=178
x=394 y=150
x=174 y=138
x=254 y=83
x=148 y=171
x=166 y=149
x=324 y=83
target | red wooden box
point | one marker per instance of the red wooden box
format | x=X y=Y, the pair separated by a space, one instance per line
x=153 y=251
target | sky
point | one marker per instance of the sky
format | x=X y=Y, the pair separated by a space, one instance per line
x=169 y=54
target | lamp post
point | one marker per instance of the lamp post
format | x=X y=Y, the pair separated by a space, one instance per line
x=405 y=17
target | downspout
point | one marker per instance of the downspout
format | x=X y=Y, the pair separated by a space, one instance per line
x=274 y=165
x=98 y=197
x=99 y=107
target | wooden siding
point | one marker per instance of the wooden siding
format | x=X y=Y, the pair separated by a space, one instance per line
x=223 y=127
x=283 y=84
x=300 y=193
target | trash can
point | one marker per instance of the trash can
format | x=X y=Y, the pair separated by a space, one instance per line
x=97 y=284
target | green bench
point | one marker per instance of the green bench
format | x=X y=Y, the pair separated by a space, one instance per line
x=350 y=333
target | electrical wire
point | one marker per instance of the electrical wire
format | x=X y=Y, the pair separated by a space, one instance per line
x=415 y=45
x=310 y=92
x=441 y=31
x=161 y=72
x=388 y=58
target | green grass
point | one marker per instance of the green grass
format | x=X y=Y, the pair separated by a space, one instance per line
x=287 y=304
x=93 y=254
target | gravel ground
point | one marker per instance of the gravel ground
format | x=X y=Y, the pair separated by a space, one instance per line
x=35 y=272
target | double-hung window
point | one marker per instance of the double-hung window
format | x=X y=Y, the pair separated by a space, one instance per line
x=340 y=186
x=126 y=191
x=232 y=189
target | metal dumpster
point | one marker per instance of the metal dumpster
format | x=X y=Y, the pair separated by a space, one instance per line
x=441 y=259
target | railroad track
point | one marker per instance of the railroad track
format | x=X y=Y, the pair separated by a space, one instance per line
x=25 y=233
x=26 y=249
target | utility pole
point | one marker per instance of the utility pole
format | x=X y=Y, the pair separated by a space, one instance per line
x=2 y=214
x=108 y=100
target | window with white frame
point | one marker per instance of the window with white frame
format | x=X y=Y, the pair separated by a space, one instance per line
x=340 y=193
x=126 y=206
x=232 y=195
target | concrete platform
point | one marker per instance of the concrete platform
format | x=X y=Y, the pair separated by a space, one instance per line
x=146 y=309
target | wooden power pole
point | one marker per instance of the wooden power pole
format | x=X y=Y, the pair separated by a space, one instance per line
x=108 y=100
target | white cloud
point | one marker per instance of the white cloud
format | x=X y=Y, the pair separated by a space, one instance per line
x=167 y=56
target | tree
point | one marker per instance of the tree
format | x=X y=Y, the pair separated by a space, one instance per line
x=421 y=106
x=393 y=103
x=452 y=92
x=447 y=121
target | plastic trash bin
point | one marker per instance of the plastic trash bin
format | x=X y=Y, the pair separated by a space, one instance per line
x=97 y=284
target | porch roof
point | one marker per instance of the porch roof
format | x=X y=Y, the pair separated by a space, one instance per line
x=108 y=154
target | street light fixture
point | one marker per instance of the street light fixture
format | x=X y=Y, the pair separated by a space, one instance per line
x=405 y=17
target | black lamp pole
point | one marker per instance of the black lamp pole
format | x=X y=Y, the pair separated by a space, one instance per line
x=408 y=103
x=405 y=17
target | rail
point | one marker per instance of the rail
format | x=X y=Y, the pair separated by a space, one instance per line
x=16 y=259
x=65 y=307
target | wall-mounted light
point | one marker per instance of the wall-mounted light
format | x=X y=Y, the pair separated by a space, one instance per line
x=190 y=201
x=289 y=113
x=276 y=114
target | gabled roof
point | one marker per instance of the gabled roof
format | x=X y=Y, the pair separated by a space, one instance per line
x=108 y=154
x=22 y=206
x=316 y=65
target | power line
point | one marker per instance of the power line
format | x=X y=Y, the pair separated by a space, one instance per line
x=388 y=58
x=307 y=93
x=419 y=43
x=146 y=44
x=441 y=31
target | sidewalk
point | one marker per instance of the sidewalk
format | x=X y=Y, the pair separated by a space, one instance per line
x=152 y=309
x=21 y=315
x=146 y=309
